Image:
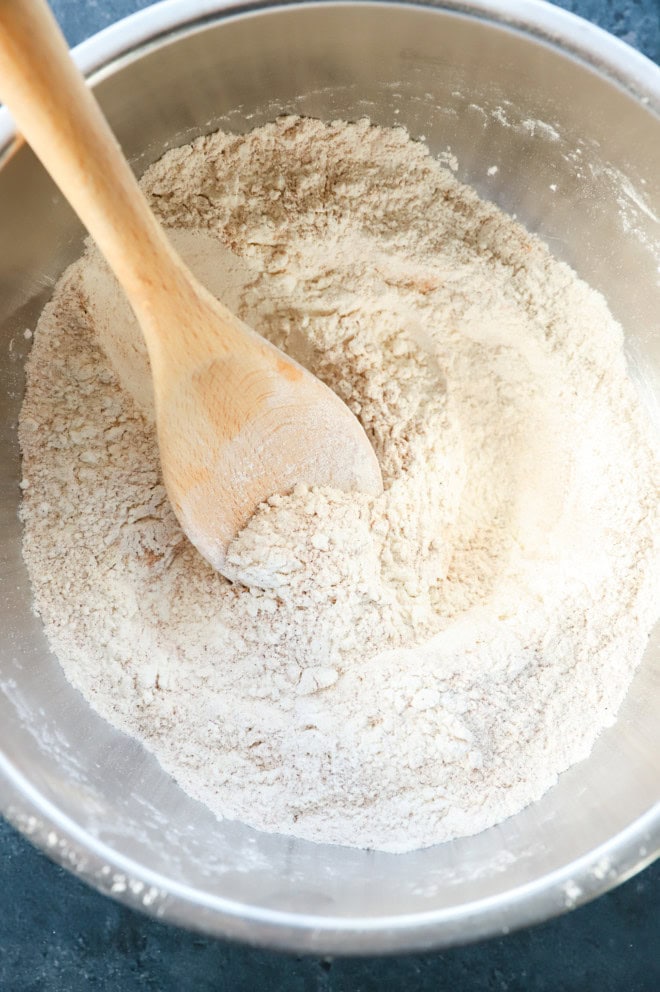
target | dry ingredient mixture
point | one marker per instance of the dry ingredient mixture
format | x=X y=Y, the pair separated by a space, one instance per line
x=387 y=672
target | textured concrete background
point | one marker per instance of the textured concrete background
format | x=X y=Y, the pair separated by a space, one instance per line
x=57 y=935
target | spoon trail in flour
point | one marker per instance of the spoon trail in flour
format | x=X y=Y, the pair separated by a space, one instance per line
x=237 y=419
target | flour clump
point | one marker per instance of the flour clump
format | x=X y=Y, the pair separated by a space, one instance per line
x=384 y=672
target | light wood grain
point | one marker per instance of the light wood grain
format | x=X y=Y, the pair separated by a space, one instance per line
x=237 y=419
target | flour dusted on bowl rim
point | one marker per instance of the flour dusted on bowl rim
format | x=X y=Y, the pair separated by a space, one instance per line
x=388 y=672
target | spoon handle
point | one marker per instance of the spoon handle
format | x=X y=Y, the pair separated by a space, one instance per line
x=61 y=120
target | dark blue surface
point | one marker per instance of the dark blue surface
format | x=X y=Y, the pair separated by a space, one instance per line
x=57 y=935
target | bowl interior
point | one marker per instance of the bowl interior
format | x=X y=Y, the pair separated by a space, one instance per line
x=581 y=172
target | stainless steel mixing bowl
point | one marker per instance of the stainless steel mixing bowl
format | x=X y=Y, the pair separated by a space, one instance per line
x=571 y=119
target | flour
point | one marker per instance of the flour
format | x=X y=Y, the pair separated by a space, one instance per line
x=388 y=672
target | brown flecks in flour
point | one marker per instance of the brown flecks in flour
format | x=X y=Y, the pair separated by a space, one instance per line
x=384 y=672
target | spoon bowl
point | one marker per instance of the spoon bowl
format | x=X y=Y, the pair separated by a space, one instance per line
x=261 y=424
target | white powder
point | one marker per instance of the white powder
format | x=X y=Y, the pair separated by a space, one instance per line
x=401 y=670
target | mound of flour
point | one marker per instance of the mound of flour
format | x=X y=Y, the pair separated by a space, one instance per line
x=387 y=672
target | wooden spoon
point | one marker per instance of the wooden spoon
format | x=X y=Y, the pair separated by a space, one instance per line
x=238 y=421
